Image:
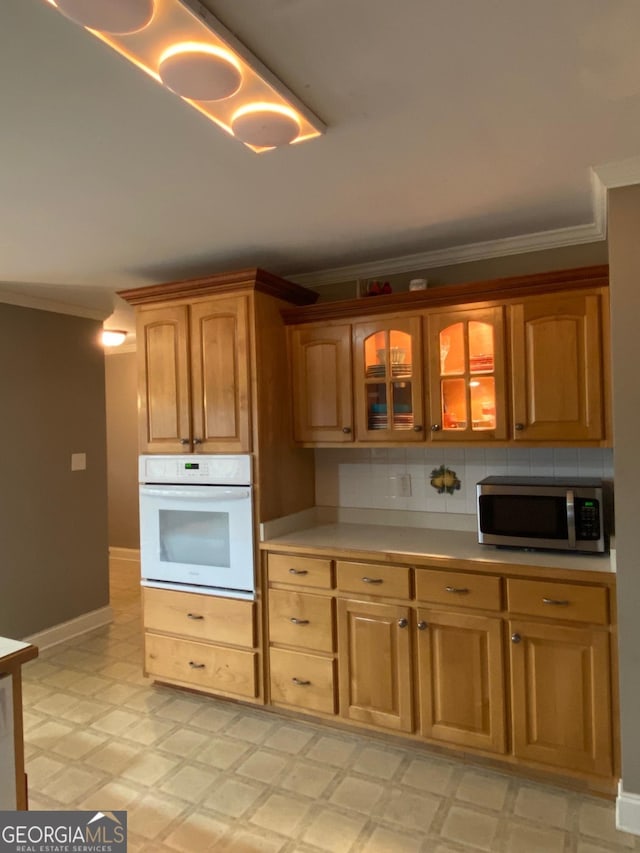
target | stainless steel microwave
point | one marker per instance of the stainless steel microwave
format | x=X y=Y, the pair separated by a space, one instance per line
x=542 y=512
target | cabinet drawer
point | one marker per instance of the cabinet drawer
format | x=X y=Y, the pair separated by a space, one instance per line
x=387 y=581
x=202 y=617
x=305 y=681
x=459 y=589
x=301 y=571
x=207 y=667
x=300 y=619
x=558 y=600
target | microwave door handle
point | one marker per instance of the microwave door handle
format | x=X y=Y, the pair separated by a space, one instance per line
x=571 y=519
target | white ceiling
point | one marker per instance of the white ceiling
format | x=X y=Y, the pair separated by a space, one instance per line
x=450 y=122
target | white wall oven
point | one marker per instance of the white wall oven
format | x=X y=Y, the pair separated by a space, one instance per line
x=196 y=524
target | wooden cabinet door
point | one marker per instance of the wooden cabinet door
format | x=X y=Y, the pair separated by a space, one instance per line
x=322 y=385
x=466 y=361
x=560 y=696
x=163 y=380
x=220 y=376
x=461 y=679
x=557 y=368
x=388 y=383
x=374 y=654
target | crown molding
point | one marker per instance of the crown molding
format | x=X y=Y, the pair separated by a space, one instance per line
x=536 y=242
x=619 y=173
x=23 y=300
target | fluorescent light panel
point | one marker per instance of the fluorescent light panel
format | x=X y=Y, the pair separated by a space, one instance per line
x=185 y=48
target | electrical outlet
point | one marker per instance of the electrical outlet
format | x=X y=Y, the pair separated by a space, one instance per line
x=400 y=486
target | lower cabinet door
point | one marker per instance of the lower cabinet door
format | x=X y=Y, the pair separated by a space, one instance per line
x=461 y=679
x=215 y=669
x=561 y=698
x=374 y=646
x=302 y=680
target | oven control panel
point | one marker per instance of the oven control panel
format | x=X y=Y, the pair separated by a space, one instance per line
x=218 y=470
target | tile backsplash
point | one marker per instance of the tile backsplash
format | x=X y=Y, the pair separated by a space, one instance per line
x=399 y=478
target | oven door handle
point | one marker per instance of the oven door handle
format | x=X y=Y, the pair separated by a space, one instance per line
x=198 y=493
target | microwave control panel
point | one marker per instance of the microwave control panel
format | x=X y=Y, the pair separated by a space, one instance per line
x=587 y=518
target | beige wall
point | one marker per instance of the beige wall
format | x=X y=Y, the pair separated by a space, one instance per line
x=53 y=521
x=624 y=258
x=122 y=449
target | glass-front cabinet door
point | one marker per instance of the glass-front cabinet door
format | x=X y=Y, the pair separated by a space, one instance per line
x=466 y=375
x=388 y=380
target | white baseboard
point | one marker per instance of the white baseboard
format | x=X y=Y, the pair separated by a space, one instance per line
x=73 y=628
x=124 y=553
x=627 y=811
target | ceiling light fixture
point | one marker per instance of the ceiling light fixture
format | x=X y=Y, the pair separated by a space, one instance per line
x=113 y=337
x=185 y=48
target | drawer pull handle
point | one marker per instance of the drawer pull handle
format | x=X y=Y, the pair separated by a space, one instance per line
x=195 y=665
x=461 y=590
x=301 y=682
x=557 y=602
x=372 y=580
x=402 y=623
x=422 y=625
x=298 y=572
x=195 y=616
x=296 y=621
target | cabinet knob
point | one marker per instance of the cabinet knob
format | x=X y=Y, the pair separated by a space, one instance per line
x=184 y=441
x=515 y=638
x=346 y=430
x=519 y=427
x=301 y=682
x=402 y=623
x=295 y=621
x=197 y=441
x=422 y=625
x=418 y=428
x=195 y=665
x=435 y=427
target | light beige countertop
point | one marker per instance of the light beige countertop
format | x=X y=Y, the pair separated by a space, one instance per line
x=15 y=652
x=427 y=546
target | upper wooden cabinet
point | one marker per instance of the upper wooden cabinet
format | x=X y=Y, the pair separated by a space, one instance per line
x=194 y=378
x=557 y=368
x=520 y=359
x=466 y=375
x=321 y=376
x=388 y=381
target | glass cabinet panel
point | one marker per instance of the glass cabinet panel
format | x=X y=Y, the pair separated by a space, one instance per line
x=388 y=391
x=467 y=396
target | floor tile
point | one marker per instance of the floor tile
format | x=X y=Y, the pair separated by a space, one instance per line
x=282 y=814
x=332 y=831
x=471 y=829
x=358 y=794
x=233 y=797
x=198 y=832
x=482 y=789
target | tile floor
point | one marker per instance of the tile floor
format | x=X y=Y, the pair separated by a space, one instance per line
x=198 y=774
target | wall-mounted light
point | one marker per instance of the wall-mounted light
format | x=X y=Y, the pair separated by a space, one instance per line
x=113 y=337
x=185 y=48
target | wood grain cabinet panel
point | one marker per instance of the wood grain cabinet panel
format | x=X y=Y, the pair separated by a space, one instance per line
x=561 y=697
x=374 y=579
x=203 y=666
x=201 y=617
x=558 y=601
x=300 y=571
x=302 y=680
x=322 y=390
x=459 y=589
x=300 y=619
x=375 y=664
x=163 y=380
x=461 y=679
x=557 y=368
